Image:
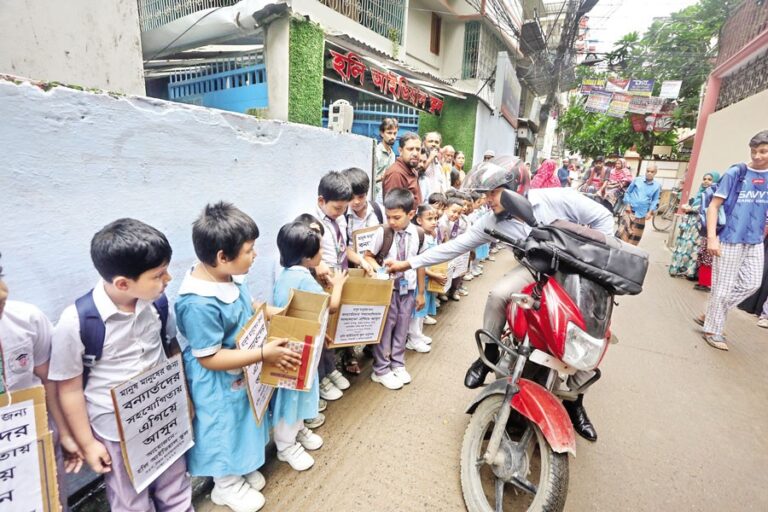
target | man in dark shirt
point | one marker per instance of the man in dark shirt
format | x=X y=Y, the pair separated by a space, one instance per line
x=562 y=173
x=403 y=173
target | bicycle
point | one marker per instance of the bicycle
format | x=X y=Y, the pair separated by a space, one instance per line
x=665 y=215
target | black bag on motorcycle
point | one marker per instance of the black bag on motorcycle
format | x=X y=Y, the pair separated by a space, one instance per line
x=563 y=245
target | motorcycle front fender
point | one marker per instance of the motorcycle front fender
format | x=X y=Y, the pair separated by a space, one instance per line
x=541 y=407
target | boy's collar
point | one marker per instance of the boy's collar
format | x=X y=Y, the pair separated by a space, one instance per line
x=106 y=306
x=225 y=292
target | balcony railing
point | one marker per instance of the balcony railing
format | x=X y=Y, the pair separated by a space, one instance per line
x=156 y=13
x=385 y=17
x=744 y=24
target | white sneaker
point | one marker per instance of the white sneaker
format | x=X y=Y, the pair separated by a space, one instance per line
x=388 y=380
x=316 y=422
x=256 y=480
x=463 y=292
x=417 y=345
x=438 y=303
x=239 y=497
x=441 y=298
x=402 y=374
x=468 y=276
x=297 y=457
x=309 y=440
x=322 y=405
x=477 y=272
x=338 y=380
x=428 y=320
x=426 y=339
x=763 y=322
x=328 y=391
x=491 y=258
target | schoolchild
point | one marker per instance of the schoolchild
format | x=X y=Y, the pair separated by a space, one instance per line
x=132 y=259
x=334 y=193
x=426 y=219
x=25 y=344
x=300 y=252
x=403 y=238
x=213 y=305
x=482 y=252
x=438 y=202
x=451 y=225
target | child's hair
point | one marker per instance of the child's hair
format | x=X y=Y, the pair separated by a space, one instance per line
x=296 y=241
x=421 y=210
x=475 y=195
x=455 y=178
x=399 y=199
x=222 y=227
x=359 y=180
x=311 y=221
x=436 y=198
x=451 y=193
x=454 y=201
x=334 y=187
x=128 y=247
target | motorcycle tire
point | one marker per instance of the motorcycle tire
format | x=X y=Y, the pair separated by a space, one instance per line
x=553 y=477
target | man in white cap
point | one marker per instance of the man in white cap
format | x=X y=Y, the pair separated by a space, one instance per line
x=488 y=155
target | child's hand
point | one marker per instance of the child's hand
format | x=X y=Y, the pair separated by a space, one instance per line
x=440 y=279
x=367 y=267
x=323 y=273
x=420 y=302
x=339 y=278
x=276 y=352
x=396 y=266
x=98 y=458
x=73 y=456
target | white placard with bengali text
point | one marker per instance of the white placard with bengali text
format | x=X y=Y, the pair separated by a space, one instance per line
x=359 y=322
x=253 y=337
x=362 y=239
x=154 y=421
x=460 y=265
x=20 y=486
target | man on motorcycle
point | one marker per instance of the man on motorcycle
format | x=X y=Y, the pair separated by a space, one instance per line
x=549 y=205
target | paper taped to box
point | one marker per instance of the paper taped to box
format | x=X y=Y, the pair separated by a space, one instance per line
x=362 y=313
x=303 y=321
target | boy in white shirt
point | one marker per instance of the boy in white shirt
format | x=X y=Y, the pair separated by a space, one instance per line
x=402 y=238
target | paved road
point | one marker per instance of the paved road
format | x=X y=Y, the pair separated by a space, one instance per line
x=681 y=426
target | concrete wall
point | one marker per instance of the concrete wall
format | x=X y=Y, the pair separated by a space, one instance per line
x=80 y=42
x=726 y=140
x=492 y=132
x=419 y=36
x=76 y=161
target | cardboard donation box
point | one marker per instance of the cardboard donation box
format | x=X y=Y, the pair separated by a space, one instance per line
x=435 y=287
x=362 y=313
x=303 y=321
x=253 y=336
x=27 y=461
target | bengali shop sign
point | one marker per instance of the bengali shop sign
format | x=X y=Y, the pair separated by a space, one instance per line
x=349 y=68
x=641 y=87
x=590 y=84
x=598 y=101
x=619 y=104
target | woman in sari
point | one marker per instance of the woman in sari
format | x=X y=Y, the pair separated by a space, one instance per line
x=685 y=256
x=546 y=175
x=612 y=190
x=704 y=260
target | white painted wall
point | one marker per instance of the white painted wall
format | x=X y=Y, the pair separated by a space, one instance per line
x=419 y=35
x=74 y=161
x=80 y=42
x=492 y=132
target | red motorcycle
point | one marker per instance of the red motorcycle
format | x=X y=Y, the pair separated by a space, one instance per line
x=514 y=452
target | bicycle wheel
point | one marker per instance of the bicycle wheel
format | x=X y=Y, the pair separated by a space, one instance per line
x=664 y=218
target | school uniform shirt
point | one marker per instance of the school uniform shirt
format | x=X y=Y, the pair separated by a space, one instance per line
x=643 y=196
x=446 y=227
x=334 y=252
x=411 y=242
x=354 y=222
x=132 y=345
x=549 y=205
x=746 y=223
x=228 y=441
x=25 y=338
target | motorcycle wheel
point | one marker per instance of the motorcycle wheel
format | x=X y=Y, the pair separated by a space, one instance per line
x=545 y=485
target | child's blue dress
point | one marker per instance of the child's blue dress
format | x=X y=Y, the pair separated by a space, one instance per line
x=430 y=298
x=289 y=405
x=228 y=440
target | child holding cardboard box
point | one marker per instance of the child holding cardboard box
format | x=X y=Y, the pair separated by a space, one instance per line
x=211 y=309
x=398 y=238
x=300 y=250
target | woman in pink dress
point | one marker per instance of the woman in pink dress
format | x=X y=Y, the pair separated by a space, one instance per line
x=546 y=175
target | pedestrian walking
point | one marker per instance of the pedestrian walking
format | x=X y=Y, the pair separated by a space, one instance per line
x=642 y=200
x=546 y=175
x=684 y=257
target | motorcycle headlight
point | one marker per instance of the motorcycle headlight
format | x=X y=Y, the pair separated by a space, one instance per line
x=582 y=351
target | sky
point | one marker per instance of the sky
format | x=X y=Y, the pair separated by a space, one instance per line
x=610 y=20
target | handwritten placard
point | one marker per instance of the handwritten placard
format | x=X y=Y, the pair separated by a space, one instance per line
x=460 y=265
x=359 y=323
x=252 y=337
x=363 y=239
x=27 y=462
x=153 y=420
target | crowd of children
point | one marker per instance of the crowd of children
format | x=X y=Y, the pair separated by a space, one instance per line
x=138 y=330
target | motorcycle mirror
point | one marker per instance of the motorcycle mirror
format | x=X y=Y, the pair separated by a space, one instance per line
x=518 y=206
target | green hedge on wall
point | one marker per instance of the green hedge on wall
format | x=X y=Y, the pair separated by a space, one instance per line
x=456 y=124
x=305 y=84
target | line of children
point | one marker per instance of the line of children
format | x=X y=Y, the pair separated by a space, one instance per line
x=451 y=225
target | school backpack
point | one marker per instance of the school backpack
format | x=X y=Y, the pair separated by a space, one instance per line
x=93 y=330
x=376 y=211
x=728 y=204
x=389 y=238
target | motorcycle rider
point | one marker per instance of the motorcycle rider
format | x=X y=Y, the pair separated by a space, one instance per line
x=549 y=205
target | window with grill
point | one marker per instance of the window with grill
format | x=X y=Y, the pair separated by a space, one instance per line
x=481 y=48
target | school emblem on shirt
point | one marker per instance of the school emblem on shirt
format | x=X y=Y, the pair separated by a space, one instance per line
x=19 y=361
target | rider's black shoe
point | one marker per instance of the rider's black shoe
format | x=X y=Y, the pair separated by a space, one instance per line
x=476 y=374
x=580 y=420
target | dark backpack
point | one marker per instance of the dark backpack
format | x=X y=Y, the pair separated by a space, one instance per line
x=389 y=238
x=728 y=205
x=93 y=330
x=376 y=211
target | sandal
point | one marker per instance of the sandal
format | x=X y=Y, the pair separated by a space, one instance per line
x=716 y=341
x=699 y=320
x=352 y=366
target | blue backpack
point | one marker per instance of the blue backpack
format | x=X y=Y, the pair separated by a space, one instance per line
x=728 y=204
x=93 y=330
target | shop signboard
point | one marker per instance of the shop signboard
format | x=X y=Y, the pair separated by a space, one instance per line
x=670 y=89
x=589 y=84
x=508 y=90
x=598 y=101
x=641 y=87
